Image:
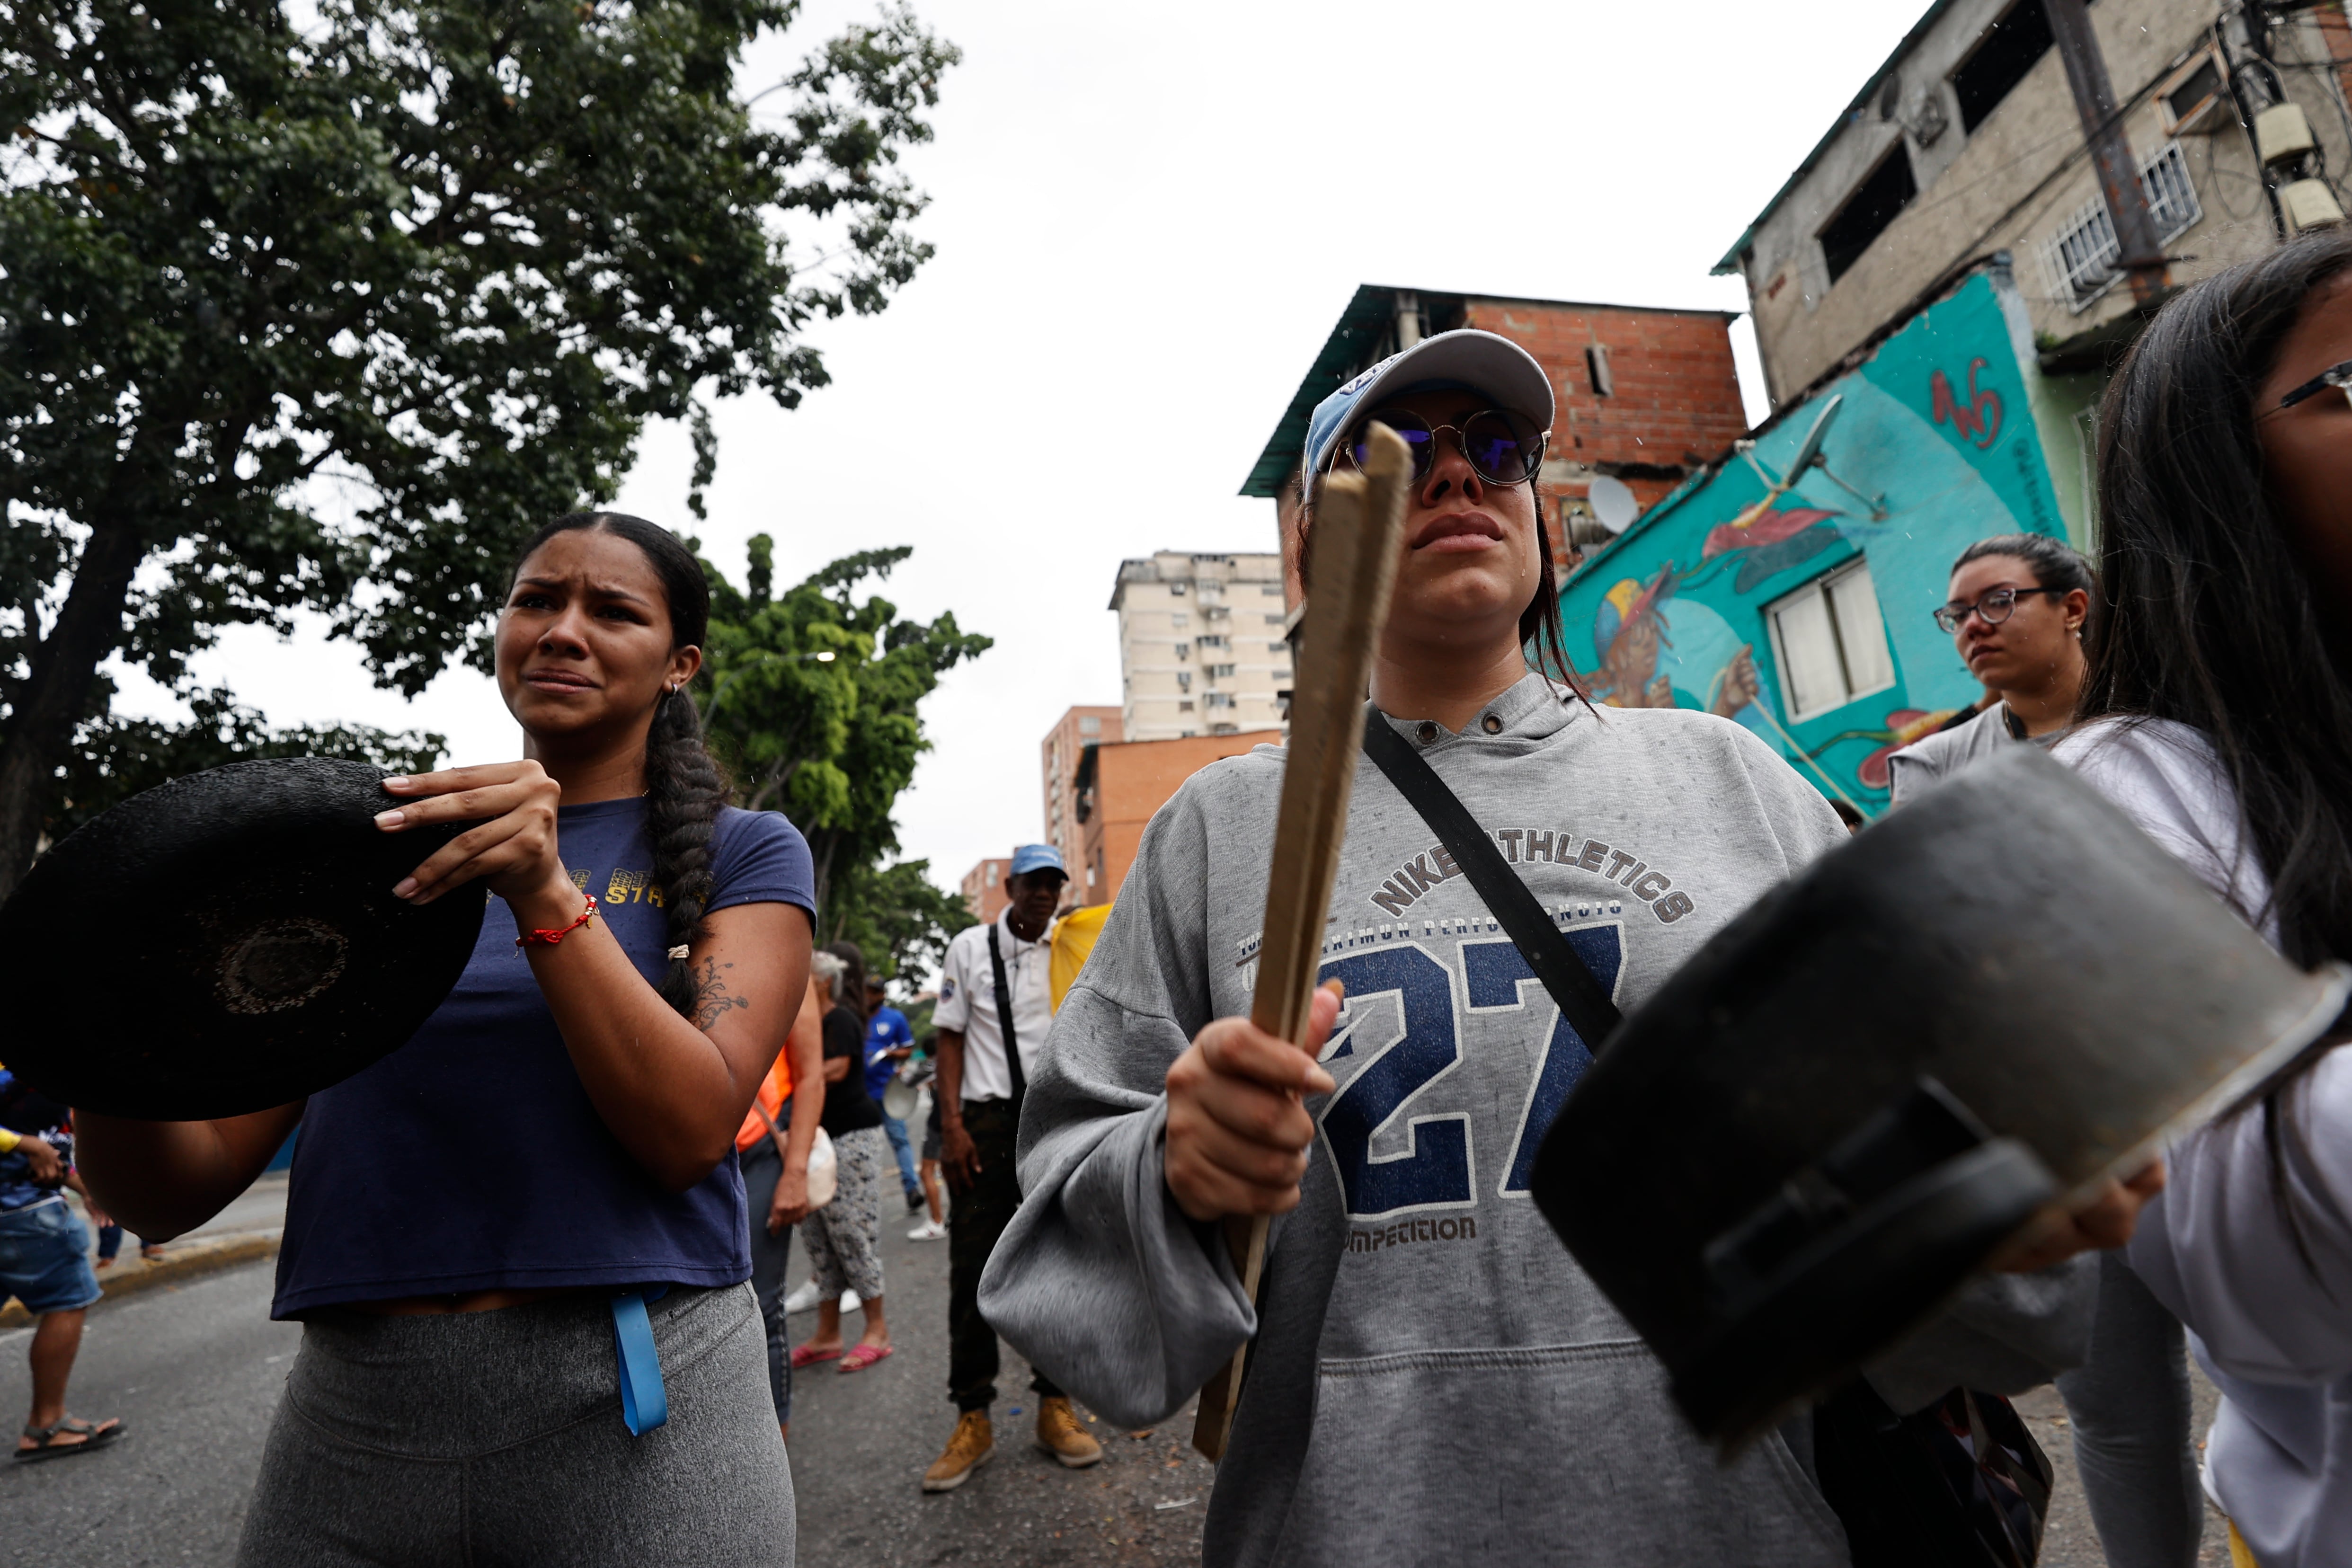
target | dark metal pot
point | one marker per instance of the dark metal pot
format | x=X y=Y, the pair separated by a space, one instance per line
x=1816 y=1130
x=225 y=943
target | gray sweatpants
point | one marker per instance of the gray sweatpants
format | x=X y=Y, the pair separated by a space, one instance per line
x=475 y=1439
x=2128 y=1404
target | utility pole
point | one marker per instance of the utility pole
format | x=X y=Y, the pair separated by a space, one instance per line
x=2141 y=257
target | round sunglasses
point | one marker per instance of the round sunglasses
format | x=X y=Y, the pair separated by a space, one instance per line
x=1501 y=447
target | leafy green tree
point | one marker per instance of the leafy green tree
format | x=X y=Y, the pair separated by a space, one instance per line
x=330 y=314
x=899 y=918
x=115 y=758
x=811 y=700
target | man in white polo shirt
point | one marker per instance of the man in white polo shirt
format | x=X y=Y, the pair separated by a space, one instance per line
x=995 y=976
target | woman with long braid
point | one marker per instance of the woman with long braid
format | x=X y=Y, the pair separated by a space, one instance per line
x=519 y=1244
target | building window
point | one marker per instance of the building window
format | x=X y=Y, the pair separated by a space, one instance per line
x=1274 y=619
x=2081 y=257
x=1212 y=640
x=2011 y=47
x=1269 y=590
x=1219 y=699
x=1830 y=642
x=1179 y=621
x=1224 y=729
x=1183 y=650
x=1887 y=190
x=1176 y=589
x=1224 y=670
x=1184 y=706
x=1091 y=724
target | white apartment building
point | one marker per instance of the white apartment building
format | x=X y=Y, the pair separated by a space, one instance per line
x=1201 y=650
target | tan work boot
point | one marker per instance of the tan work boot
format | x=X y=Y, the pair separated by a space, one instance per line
x=1060 y=1434
x=974 y=1444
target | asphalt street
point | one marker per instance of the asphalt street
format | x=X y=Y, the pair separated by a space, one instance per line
x=196 y=1370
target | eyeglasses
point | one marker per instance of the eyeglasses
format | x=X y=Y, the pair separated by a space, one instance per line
x=1994 y=608
x=1502 y=447
x=2335 y=377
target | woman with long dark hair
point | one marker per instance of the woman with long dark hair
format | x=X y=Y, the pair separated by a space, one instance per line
x=1434 y=1377
x=2218 y=713
x=545 y=1172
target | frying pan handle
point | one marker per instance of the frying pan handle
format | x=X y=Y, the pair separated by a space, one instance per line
x=1879 y=1230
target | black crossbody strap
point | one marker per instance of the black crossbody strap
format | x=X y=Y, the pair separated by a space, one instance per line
x=1581 y=999
x=1004 y=1019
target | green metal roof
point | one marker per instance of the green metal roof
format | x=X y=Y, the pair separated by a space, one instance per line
x=1369 y=316
x=1730 y=262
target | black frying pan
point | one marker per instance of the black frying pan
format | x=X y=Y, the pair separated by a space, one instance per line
x=1819 y=1126
x=225 y=943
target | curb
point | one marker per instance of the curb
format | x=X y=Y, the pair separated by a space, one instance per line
x=187 y=1260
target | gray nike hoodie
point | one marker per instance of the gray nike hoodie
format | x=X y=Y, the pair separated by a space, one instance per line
x=1434 y=1380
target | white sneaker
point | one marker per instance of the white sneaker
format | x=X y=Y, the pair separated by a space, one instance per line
x=928 y=1230
x=804 y=1298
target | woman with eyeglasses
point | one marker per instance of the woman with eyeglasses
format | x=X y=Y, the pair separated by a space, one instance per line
x=1434 y=1377
x=2218 y=713
x=2019 y=603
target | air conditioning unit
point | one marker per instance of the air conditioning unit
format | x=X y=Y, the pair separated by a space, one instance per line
x=2283 y=134
x=2310 y=205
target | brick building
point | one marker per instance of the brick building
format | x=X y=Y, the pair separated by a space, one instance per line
x=1645 y=396
x=1058 y=753
x=1118 y=787
x=983 y=889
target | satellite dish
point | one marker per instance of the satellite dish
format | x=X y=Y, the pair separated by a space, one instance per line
x=1612 y=502
x=1811 y=451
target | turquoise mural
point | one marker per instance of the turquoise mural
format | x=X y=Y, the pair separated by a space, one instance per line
x=1929 y=447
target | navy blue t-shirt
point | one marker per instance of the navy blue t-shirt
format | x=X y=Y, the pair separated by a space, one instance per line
x=472 y=1159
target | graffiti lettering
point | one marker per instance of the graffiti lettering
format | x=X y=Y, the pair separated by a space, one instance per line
x=1979 y=419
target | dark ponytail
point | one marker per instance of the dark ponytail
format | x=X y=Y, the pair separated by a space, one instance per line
x=683 y=789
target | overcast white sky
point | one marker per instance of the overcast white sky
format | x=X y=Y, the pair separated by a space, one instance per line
x=1147 y=220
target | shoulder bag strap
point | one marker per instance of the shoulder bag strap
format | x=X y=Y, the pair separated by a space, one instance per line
x=1581 y=999
x=1004 y=1019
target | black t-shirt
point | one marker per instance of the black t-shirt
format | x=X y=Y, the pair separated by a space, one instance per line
x=847 y=1107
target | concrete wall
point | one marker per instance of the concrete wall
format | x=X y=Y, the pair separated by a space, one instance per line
x=2007 y=185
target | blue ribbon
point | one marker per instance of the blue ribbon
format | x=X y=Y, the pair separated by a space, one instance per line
x=644 y=1404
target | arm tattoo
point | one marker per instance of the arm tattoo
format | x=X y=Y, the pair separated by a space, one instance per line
x=710 y=998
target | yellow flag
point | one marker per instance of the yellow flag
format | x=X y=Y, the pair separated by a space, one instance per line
x=1074 y=938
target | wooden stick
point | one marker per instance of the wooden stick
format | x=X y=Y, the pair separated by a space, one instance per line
x=1359 y=534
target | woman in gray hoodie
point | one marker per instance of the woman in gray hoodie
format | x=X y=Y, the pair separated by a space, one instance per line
x=1434 y=1377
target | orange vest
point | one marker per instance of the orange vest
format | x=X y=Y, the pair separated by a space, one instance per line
x=774 y=1090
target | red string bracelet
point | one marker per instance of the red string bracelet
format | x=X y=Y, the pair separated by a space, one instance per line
x=548 y=938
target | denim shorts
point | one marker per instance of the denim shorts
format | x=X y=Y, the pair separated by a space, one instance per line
x=45 y=1259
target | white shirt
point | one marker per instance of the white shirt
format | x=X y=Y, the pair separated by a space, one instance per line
x=2211 y=1246
x=968 y=1003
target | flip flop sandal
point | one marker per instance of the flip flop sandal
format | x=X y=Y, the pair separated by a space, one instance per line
x=805 y=1355
x=94 y=1437
x=863 y=1356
